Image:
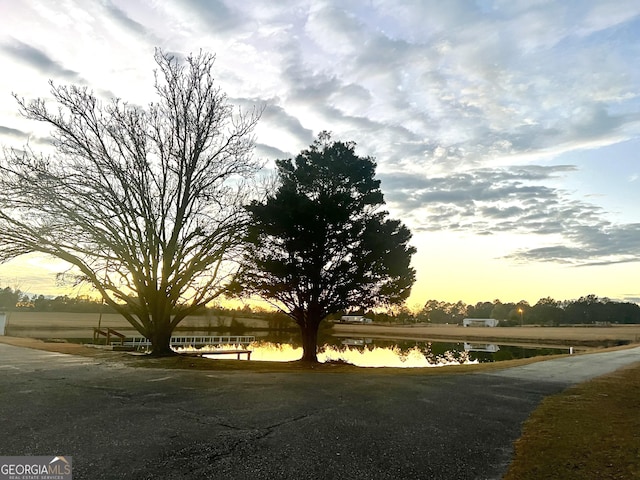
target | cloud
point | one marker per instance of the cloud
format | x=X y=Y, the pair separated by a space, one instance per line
x=592 y=245
x=277 y=118
x=479 y=190
x=213 y=14
x=21 y=138
x=482 y=82
x=489 y=90
x=121 y=17
x=631 y=297
x=267 y=151
x=518 y=200
x=39 y=60
x=12 y=132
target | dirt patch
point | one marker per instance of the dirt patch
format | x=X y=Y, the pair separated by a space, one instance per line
x=50 y=346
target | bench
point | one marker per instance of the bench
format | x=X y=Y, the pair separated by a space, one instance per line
x=229 y=352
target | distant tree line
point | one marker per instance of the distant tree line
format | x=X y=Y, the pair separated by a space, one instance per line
x=589 y=309
x=15 y=300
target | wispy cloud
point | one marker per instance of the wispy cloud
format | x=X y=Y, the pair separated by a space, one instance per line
x=12 y=132
x=124 y=19
x=453 y=87
x=591 y=245
x=515 y=200
x=39 y=60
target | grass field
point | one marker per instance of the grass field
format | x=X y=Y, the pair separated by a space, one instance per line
x=80 y=325
x=529 y=334
x=590 y=431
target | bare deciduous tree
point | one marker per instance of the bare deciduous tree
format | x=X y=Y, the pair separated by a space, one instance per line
x=144 y=203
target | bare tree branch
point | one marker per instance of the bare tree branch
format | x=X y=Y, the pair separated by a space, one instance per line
x=146 y=204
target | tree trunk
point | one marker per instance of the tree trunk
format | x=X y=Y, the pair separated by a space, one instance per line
x=161 y=341
x=309 y=332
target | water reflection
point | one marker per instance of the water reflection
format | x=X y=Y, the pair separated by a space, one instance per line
x=378 y=352
x=285 y=345
x=361 y=356
x=481 y=347
x=394 y=357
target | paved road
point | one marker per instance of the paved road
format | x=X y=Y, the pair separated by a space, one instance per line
x=119 y=422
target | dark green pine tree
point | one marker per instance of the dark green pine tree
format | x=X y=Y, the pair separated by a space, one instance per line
x=321 y=242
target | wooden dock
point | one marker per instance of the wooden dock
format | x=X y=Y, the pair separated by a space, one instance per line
x=194 y=341
x=137 y=343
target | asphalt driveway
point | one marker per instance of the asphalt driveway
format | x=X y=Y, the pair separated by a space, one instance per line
x=119 y=422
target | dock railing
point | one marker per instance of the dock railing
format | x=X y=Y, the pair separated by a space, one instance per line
x=194 y=341
x=108 y=333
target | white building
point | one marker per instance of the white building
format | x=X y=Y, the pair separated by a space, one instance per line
x=355 y=319
x=480 y=322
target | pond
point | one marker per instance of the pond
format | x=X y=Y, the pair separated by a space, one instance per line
x=378 y=352
x=285 y=346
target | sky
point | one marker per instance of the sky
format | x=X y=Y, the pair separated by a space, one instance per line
x=506 y=132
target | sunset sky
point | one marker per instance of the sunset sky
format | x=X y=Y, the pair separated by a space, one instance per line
x=506 y=132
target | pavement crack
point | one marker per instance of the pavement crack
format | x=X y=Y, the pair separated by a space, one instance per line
x=236 y=441
x=288 y=421
x=265 y=431
x=232 y=427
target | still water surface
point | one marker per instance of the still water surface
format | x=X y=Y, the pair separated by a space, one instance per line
x=367 y=356
x=285 y=346
x=376 y=352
